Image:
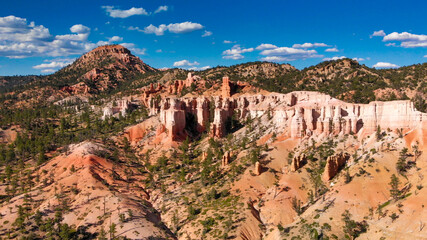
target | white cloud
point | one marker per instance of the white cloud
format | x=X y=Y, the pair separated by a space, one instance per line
x=205 y=67
x=159 y=51
x=331 y=50
x=185 y=63
x=425 y=56
x=359 y=59
x=17 y=29
x=183 y=27
x=115 y=39
x=207 y=34
x=118 y=13
x=309 y=45
x=407 y=40
x=274 y=59
x=391 y=44
x=79 y=28
x=161 y=9
x=134 y=49
x=227 y=41
x=48 y=70
x=334 y=58
x=199 y=69
x=235 y=52
x=20 y=39
x=153 y=29
x=288 y=54
x=53 y=64
x=379 y=33
x=385 y=65
x=265 y=46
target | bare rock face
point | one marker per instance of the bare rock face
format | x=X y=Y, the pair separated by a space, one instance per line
x=333 y=164
x=298 y=162
x=226 y=89
x=257 y=170
x=173 y=117
x=297 y=114
x=226 y=159
x=115 y=108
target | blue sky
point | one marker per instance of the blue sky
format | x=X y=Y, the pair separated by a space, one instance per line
x=39 y=37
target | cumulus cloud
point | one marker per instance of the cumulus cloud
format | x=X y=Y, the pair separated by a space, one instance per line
x=185 y=63
x=48 y=70
x=81 y=33
x=385 y=65
x=79 y=28
x=379 y=33
x=331 y=50
x=205 y=67
x=16 y=29
x=207 y=34
x=288 y=54
x=118 y=13
x=161 y=9
x=407 y=40
x=265 y=46
x=54 y=64
x=274 y=59
x=183 y=27
x=199 y=69
x=134 y=49
x=359 y=59
x=20 y=38
x=235 y=52
x=425 y=56
x=115 y=39
x=309 y=45
x=334 y=58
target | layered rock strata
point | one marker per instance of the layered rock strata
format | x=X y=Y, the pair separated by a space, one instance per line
x=298 y=162
x=334 y=164
x=299 y=114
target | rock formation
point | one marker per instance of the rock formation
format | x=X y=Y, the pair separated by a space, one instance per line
x=298 y=162
x=226 y=159
x=298 y=114
x=258 y=169
x=226 y=89
x=115 y=108
x=334 y=164
x=173 y=117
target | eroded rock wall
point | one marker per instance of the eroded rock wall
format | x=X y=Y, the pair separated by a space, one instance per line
x=299 y=114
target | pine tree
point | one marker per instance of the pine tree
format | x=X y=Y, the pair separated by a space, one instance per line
x=394 y=184
x=401 y=162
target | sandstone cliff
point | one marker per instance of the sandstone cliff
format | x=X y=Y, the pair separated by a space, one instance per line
x=297 y=114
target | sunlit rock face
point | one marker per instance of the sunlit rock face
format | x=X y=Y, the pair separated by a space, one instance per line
x=299 y=114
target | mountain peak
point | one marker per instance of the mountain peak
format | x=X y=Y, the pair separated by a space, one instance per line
x=114 y=48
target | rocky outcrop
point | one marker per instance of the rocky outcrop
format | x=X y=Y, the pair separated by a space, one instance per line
x=297 y=114
x=173 y=117
x=334 y=164
x=226 y=89
x=226 y=159
x=298 y=162
x=257 y=169
x=116 y=108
